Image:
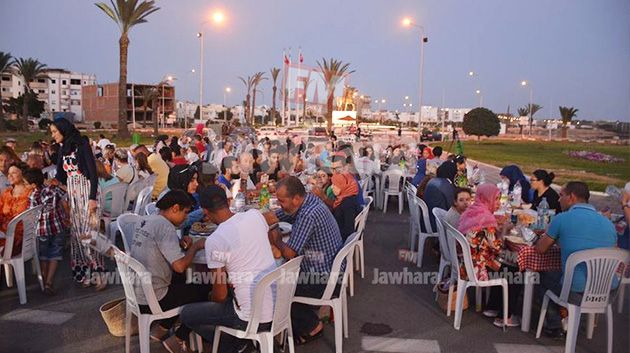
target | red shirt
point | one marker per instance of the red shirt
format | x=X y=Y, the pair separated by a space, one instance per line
x=201 y=147
x=180 y=161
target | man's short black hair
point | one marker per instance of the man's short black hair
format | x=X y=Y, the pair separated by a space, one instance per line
x=437 y=151
x=227 y=162
x=293 y=185
x=212 y=198
x=175 y=197
x=579 y=189
x=34 y=176
x=460 y=190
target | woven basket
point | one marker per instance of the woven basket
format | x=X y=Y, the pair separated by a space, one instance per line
x=113 y=313
x=442 y=299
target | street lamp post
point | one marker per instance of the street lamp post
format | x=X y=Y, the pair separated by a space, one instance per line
x=407 y=22
x=478 y=92
x=225 y=92
x=531 y=98
x=217 y=18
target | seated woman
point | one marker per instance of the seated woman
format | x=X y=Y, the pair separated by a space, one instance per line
x=323 y=187
x=346 y=206
x=421 y=165
x=125 y=173
x=514 y=175
x=541 y=184
x=185 y=178
x=143 y=169
x=104 y=180
x=481 y=229
x=13 y=201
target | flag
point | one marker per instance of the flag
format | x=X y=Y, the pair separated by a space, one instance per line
x=287 y=60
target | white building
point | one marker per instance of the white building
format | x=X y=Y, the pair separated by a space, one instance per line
x=61 y=91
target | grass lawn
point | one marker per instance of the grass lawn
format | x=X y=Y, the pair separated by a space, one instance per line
x=552 y=156
x=25 y=139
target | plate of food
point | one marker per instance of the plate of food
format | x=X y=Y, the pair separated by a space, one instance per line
x=526 y=217
x=200 y=228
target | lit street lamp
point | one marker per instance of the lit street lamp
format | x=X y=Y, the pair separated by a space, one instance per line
x=407 y=22
x=478 y=92
x=225 y=92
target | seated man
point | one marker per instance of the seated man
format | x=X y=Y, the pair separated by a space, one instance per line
x=316 y=235
x=156 y=245
x=239 y=249
x=578 y=227
x=230 y=171
x=463 y=198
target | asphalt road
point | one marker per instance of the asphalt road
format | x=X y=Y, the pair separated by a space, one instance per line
x=383 y=317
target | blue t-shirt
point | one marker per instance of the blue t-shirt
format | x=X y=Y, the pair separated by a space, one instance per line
x=223 y=180
x=581 y=228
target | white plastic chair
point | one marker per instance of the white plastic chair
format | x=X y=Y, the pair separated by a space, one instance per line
x=285 y=278
x=126 y=226
x=394 y=188
x=50 y=172
x=150 y=209
x=143 y=199
x=454 y=238
x=133 y=190
x=338 y=305
x=359 y=254
x=364 y=183
x=445 y=255
x=423 y=211
x=601 y=268
x=133 y=272
x=118 y=206
x=414 y=219
x=29 y=220
x=622 y=289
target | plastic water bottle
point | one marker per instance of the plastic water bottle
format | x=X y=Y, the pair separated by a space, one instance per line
x=543 y=213
x=239 y=201
x=516 y=194
x=503 y=187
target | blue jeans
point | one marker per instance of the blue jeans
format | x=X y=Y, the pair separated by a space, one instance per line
x=553 y=281
x=203 y=317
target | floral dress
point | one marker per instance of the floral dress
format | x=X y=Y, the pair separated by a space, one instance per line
x=484 y=248
x=10 y=207
x=84 y=260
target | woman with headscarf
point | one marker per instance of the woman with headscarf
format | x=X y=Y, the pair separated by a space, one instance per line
x=185 y=178
x=440 y=191
x=479 y=225
x=346 y=206
x=76 y=169
x=514 y=175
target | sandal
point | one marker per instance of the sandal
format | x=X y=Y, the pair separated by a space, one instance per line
x=49 y=290
x=302 y=340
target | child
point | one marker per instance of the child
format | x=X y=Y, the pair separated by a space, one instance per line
x=53 y=224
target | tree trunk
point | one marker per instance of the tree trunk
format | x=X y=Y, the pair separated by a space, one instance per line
x=253 y=111
x=123 y=131
x=273 y=104
x=564 y=131
x=25 y=104
x=247 y=107
x=144 y=116
x=155 y=119
x=329 y=107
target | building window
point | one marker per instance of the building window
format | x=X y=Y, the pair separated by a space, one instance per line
x=41 y=91
x=53 y=109
x=75 y=81
x=85 y=82
x=76 y=102
x=64 y=82
x=41 y=80
x=53 y=81
x=64 y=92
x=99 y=91
x=52 y=91
x=53 y=102
x=4 y=89
x=6 y=78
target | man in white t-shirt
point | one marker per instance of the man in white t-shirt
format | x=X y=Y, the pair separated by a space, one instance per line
x=240 y=248
x=103 y=141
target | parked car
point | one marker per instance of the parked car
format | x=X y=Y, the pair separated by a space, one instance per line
x=318 y=132
x=430 y=136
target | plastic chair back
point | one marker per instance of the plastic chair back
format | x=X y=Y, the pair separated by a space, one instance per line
x=30 y=221
x=127 y=225
x=394 y=177
x=335 y=272
x=118 y=192
x=602 y=266
x=455 y=237
x=424 y=212
x=144 y=198
x=440 y=215
x=285 y=279
x=133 y=273
x=150 y=209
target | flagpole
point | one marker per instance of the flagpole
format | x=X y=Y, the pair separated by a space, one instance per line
x=289 y=87
x=297 y=80
x=284 y=85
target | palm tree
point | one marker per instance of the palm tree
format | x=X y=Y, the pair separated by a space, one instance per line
x=149 y=94
x=567 y=114
x=257 y=79
x=6 y=61
x=30 y=69
x=249 y=83
x=126 y=14
x=524 y=111
x=307 y=83
x=332 y=72
x=533 y=108
x=274 y=77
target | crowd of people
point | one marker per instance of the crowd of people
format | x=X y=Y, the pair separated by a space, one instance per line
x=319 y=190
